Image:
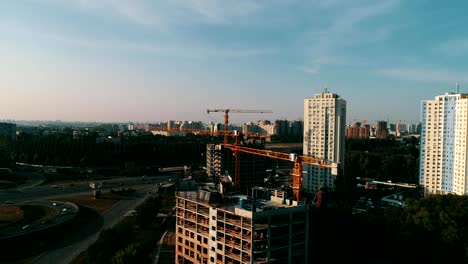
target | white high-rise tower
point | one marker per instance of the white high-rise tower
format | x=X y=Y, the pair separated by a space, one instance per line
x=324 y=138
x=444 y=144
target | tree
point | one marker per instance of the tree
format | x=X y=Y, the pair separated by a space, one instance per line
x=128 y=255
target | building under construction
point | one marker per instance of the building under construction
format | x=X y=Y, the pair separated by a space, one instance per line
x=219 y=160
x=264 y=226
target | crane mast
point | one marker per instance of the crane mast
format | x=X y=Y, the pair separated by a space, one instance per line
x=297 y=159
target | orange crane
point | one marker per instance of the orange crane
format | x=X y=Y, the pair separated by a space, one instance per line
x=297 y=159
x=226 y=117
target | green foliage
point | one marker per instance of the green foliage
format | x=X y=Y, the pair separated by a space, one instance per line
x=144 y=150
x=382 y=160
x=444 y=216
x=148 y=211
x=109 y=241
x=131 y=241
x=128 y=255
x=132 y=169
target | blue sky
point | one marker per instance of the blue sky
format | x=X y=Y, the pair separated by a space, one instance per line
x=136 y=60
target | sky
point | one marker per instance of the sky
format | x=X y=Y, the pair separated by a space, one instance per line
x=151 y=61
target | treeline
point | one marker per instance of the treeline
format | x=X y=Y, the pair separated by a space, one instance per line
x=64 y=150
x=431 y=230
x=383 y=160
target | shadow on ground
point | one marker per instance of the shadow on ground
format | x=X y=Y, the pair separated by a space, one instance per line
x=86 y=223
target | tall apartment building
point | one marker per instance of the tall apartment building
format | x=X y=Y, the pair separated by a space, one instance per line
x=263 y=228
x=444 y=144
x=282 y=128
x=214 y=160
x=381 y=130
x=324 y=138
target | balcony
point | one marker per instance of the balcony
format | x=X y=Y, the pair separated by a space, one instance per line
x=246 y=235
x=233 y=221
x=203 y=221
x=203 y=230
x=191 y=226
x=233 y=255
x=203 y=210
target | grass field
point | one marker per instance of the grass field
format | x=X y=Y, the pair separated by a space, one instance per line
x=10 y=213
x=23 y=214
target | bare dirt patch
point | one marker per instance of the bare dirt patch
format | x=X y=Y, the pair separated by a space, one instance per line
x=100 y=205
x=10 y=213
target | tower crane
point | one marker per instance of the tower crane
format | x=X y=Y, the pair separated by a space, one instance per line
x=226 y=117
x=297 y=159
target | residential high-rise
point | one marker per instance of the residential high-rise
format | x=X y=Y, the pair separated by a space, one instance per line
x=324 y=138
x=264 y=227
x=214 y=160
x=444 y=144
x=381 y=130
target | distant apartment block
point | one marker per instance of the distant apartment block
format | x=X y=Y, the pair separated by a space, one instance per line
x=264 y=227
x=214 y=160
x=357 y=131
x=8 y=130
x=444 y=144
x=381 y=130
x=324 y=136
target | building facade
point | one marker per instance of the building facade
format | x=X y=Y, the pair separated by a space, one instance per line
x=211 y=228
x=324 y=138
x=381 y=130
x=444 y=144
x=357 y=131
x=214 y=157
x=220 y=160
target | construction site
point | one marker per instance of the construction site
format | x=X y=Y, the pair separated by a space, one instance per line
x=235 y=217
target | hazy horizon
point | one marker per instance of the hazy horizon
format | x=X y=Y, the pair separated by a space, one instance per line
x=144 y=61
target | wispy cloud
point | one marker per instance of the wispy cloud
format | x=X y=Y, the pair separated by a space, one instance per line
x=222 y=11
x=425 y=75
x=328 y=45
x=312 y=70
x=454 y=47
x=163 y=14
x=184 y=50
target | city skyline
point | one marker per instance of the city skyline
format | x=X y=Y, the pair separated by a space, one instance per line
x=118 y=61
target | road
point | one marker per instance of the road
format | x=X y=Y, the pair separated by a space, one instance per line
x=165 y=244
x=74 y=244
x=72 y=249
x=14 y=195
